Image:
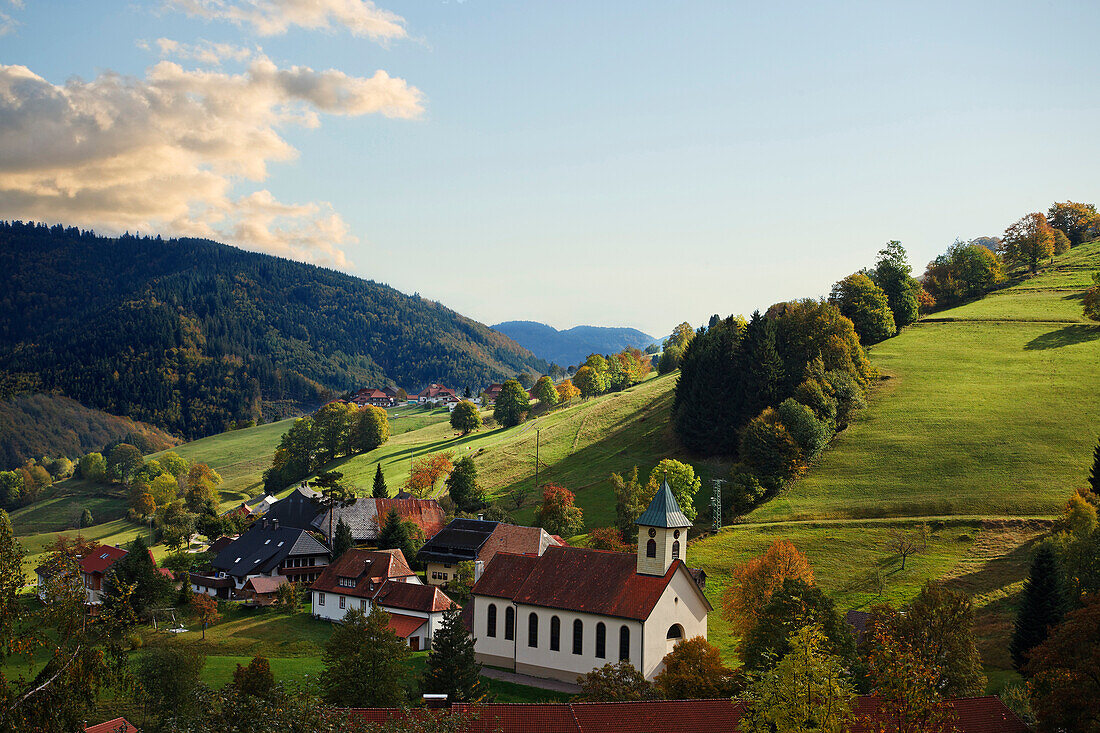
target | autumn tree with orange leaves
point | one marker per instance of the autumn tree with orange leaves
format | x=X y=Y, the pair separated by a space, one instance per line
x=1064 y=684
x=426 y=473
x=906 y=684
x=752 y=583
x=559 y=513
x=1028 y=241
x=206 y=609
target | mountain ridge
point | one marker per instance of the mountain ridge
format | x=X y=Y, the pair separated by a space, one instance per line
x=572 y=346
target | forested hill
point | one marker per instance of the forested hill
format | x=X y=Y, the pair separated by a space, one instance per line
x=191 y=334
x=573 y=345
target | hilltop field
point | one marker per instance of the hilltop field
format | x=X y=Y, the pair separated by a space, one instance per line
x=981 y=426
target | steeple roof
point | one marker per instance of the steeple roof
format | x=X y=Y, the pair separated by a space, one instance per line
x=663 y=511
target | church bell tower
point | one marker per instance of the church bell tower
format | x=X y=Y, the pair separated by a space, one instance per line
x=662 y=533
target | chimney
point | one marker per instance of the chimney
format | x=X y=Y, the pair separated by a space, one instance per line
x=481 y=517
x=436 y=702
x=275 y=523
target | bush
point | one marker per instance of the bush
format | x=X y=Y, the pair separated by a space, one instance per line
x=135 y=641
x=811 y=434
x=768 y=447
x=848 y=394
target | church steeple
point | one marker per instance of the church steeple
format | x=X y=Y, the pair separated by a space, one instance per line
x=660 y=539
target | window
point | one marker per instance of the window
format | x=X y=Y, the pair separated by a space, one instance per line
x=347 y=582
x=320 y=599
x=578 y=637
x=343 y=600
x=555 y=634
x=601 y=641
x=363 y=605
x=624 y=642
x=444 y=576
x=675 y=632
x=491 y=621
x=651 y=548
x=533 y=630
x=510 y=623
x=676 y=550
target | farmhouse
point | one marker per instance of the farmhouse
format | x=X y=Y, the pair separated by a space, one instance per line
x=569 y=610
x=478 y=541
x=297 y=509
x=366 y=517
x=436 y=394
x=364 y=578
x=265 y=550
x=493 y=392
x=372 y=396
x=93 y=568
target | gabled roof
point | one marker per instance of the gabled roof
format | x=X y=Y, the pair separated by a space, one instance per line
x=366 y=516
x=365 y=567
x=459 y=541
x=413 y=597
x=575 y=579
x=118 y=725
x=663 y=511
x=296 y=509
x=221 y=543
x=263 y=584
x=101 y=558
x=263 y=547
x=404 y=626
x=517 y=540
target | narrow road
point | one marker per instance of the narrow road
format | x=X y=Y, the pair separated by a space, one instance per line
x=522 y=679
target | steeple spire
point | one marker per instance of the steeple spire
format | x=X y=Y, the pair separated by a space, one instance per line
x=659 y=533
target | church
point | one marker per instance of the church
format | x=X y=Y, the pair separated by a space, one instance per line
x=561 y=614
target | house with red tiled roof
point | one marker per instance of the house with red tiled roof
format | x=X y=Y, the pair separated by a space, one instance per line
x=437 y=394
x=118 y=725
x=373 y=396
x=493 y=392
x=971 y=715
x=360 y=579
x=563 y=613
x=93 y=568
x=478 y=541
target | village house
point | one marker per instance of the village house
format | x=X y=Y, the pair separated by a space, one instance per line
x=93 y=568
x=297 y=509
x=563 y=613
x=265 y=550
x=366 y=517
x=372 y=396
x=493 y=392
x=477 y=541
x=437 y=394
x=364 y=578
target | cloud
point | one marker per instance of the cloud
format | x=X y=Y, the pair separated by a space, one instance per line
x=7 y=24
x=203 y=52
x=167 y=153
x=275 y=17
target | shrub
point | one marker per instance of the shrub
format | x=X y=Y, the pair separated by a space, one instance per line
x=811 y=434
x=768 y=447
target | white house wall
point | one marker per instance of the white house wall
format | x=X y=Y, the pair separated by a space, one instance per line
x=679 y=604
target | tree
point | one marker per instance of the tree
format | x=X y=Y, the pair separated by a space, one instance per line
x=93 y=468
x=905 y=682
x=566 y=390
x=620 y=682
x=137 y=569
x=893 y=274
x=364 y=662
x=807 y=691
x=426 y=471
x=465 y=417
x=342 y=540
x=256 y=679
x=630 y=502
x=966 y=270
x=512 y=404
x=545 y=391
x=205 y=609
x=1042 y=606
x=1061 y=242
x=907 y=542
x=694 y=671
x=1094 y=472
x=397 y=534
x=11 y=489
x=1073 y=219
x=333 y=425
x=164 y=489
x=379 y=490
x=371 y=429
x=811 y=434
x=769 y=448
x=144 y=504
x=452 y=669
x=1029 y=241
x=458 y=587
x=1091 y=299
x=169 y=676
x=174 y=464
x=86 y=518
x=681 y=480
x=123 y=463
x=939 y=625
x=288 y=596
x=1065 y=687
x=12 y=578
x=792 y=605
x=525 y=380
x=866 y=304
x=753 y=582
x=463 y=486
x=608 y=538
x=559 y=513
x=335 y=494
x=587 y=381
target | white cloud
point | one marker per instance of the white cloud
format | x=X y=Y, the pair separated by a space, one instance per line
x=203 y=52
x=7 y=24
x=275 y=17
x=166 y=153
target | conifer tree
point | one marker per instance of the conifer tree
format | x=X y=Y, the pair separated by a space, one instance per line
x=452 y=669
x=364 y=662
x=1042 y=607
x=136 y=569
x=463 y=487
x=342 y=541
x=380 y=491
x=1094 y=474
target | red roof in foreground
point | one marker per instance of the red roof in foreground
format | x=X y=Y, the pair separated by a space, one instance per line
x=403 y=625
x=974 y=715
x=118 y=725
x=101 y=558
x=577 y=579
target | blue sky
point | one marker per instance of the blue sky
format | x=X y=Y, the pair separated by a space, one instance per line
x=630 y=164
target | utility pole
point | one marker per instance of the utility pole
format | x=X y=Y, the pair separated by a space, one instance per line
x=537 y=460
x=716 y=503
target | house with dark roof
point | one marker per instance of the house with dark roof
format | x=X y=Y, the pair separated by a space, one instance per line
x=297 y=509
x=971 y=715
x=367 y=515
x=265 y=550
x=478 y=541
x=570 y=610
x=93 y=568
x=361 y=579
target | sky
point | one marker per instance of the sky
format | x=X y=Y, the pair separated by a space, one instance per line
x=620 y=164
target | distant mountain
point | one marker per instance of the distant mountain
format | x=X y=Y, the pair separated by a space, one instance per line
x=572 y=346
x=38 y=425
x=190 y=334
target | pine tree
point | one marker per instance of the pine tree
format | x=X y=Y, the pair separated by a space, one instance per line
x=364 y=662
x=137 y=569
x=463 y=487
x=452 y=669
x=1094 y=474
x=342 y=541
x=381 y=491
x=1042 y=607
